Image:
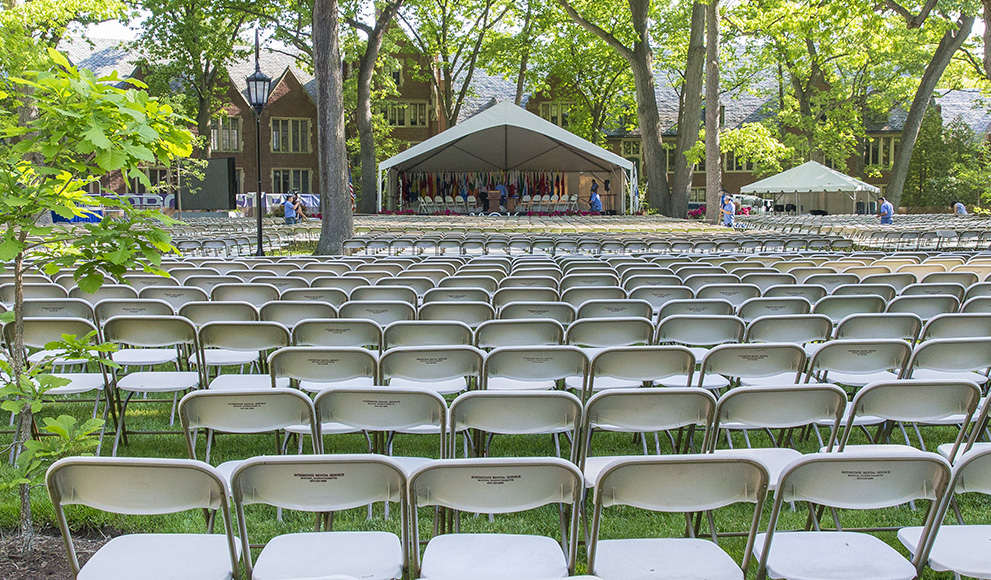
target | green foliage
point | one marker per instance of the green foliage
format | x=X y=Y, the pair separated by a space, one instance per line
x=949 y=163
x=65 y=437
x=755 y=142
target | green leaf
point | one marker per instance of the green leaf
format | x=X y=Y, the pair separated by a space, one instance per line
x=97 y=137
x=9 y=248
x=58 y=58
x=111 y=159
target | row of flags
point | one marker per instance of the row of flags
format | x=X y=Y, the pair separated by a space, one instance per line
x=518 y=183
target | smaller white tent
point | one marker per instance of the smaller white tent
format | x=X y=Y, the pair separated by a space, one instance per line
x=814 y=182
x=506 y=137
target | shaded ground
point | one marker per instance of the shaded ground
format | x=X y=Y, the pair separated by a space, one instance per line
x=49 y=561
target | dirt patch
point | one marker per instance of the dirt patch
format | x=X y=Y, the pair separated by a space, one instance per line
x=49 y=560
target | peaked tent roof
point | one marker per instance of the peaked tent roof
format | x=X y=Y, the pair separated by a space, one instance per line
x=505 y=136
x=809 y=177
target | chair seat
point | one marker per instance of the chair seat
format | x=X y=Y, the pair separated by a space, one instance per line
x=325 y=429
x=961 y=549
x=247 y=381
x=55 y=355
x=508 y=384
x=371 y=555
x=713 y=382
x=411 y=464
x=492 y=557
x=788 y=378
x=656 y=559
x=81 y=383
x=775 y=459
x=933 y=375
x=142 y=357
x=219 y=357
x=159 y=381
x=355 y=383
x=860 y=379
x=833 y=556
x=443 y=387
x=602 y=383
x=161 y=557
x=946 y=448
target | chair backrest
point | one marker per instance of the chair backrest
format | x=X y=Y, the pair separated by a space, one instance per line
x=137 y=486
x=345 y=285
x=470 y=313
x=535 y=363
x=150 y=331
x=338 y=332
x=898 y=281
x=322 y=364
x=644 y=410
x=203 y=312
x=680 y=484
x=526 y=279
x=562 y=312
x=102 y=293
x=504 y=296
x=951 y=355
x=785 y=306
x=839 y=307
x=811 y=292
x=33 y=290
x=40 y=331
x=936 y=288
x=430 y=363
x=488 y=283
x=385 y=409
x=958 y=325
x=925 y=307
x=915 y=401
x=251 y=411
x=381 y=311
x=427 y=333
x=860 y=357
x=658 y=296
x=597 y=332
x=58 y=308
x=693 y=307
x=176 y=296
x=780 y=407
x=517 y=413
x=735 y=294
x=291 y=312
x=754 y=360
x=497 y=486
x=257 y=336
x=385 y=293
x=256 y=294
x=333 y=296
x=905 y=326
x=456 y=295
x=104 y=309
x=304 y=483
x=522 y=332
x=577 y=295
x=616 y=308
x=699 y=330
x=641 y=363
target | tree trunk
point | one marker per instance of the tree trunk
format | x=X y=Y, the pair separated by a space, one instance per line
x=25 y=418
x=203 y=126
x=655 y=167
x=337 y=223
x=951 y=42
x=366 y=135
x=525 y=57
x=689 y=114
x=713 y=156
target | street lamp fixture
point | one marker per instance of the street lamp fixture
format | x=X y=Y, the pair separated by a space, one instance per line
x=259 y=85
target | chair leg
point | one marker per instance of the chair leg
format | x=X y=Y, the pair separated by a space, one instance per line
x=120 y=423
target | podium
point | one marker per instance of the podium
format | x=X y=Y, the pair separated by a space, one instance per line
x=495 y=199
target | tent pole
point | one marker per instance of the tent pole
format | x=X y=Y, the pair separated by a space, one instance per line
x=378 y=197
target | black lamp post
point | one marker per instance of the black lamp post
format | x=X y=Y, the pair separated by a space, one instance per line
x=258 y=87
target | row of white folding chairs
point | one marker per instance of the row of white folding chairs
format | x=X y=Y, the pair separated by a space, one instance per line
x=860 y=481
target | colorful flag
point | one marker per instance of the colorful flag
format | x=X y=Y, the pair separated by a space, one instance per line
x=351 y=190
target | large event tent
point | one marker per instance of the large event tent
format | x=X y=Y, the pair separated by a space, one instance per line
x=820 y=187
x=508 y=138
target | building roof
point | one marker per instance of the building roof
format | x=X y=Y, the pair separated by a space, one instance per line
x=485 y=88
x=100 y=55
x=967 y=105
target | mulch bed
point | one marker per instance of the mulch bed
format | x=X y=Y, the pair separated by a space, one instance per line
x=49 y=561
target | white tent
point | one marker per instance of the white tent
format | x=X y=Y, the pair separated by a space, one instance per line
x=810 y=178
x=506 y=137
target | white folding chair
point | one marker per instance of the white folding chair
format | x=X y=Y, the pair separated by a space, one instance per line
x=682 y=484
x=238 y=344
x=533 y=367
x=857 y=482
x=321 y=484
x=966 y=359
x=636 y=366
x=766 y=363
x=858 y=362
x=444 y=369
x=140 y=486
x=496 y=486
x=317 y=368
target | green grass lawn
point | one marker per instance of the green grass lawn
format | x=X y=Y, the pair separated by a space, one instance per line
x=262 y=524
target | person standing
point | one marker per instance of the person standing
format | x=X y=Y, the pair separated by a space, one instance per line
x=289 y=210
x=886 y=211
x=728 y=211
x=959 y=208
x=299 y=207
x=594 y=201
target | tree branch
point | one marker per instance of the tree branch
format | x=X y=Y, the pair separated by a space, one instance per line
x=590 y=26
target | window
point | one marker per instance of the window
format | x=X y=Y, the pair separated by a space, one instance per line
x=696 y=195
x=396 y=73
x=630 y=148
x=155 y=174
x=669 y=152
x=225 y=134
x=290 y=135
x=284 y=180
x=405 y=114
x=734 y=165
x=556 y=112
x=881 y=151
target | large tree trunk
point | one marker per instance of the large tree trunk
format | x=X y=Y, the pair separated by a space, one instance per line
x=203 y=125
x=525 y=57
x=713 y=156
x=655 y=166
x=366 y=134
x=951 y=42
x=337 y=223
x=689 y=114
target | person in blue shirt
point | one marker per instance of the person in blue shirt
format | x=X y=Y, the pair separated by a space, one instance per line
x=289 y=210
x=594 y=201
x=959 y=208
x=886 y=211
x=728 y=211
